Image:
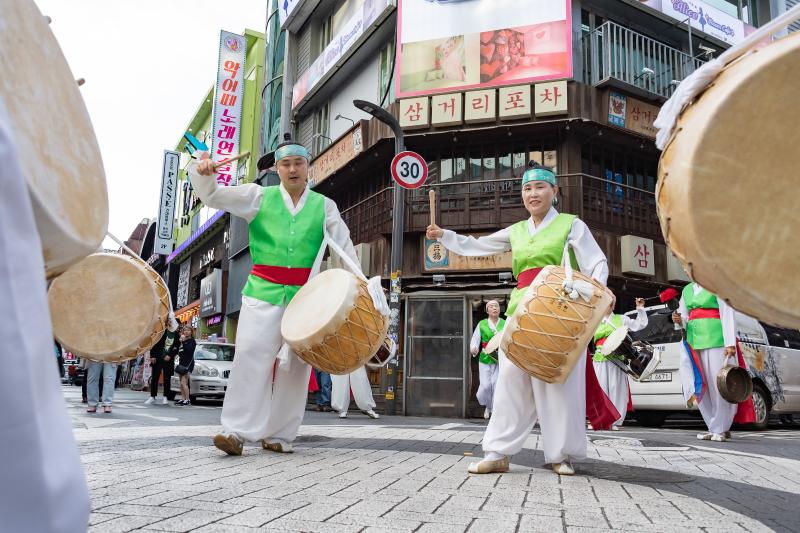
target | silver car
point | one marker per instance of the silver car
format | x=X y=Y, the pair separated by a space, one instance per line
x=212 y=367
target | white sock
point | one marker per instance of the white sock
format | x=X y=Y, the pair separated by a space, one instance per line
x=493 y=456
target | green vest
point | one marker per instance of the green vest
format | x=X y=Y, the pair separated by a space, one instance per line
x=603 y=331
x=543 y=249
x=278 y=238
x=702 y=333
x=486 y=336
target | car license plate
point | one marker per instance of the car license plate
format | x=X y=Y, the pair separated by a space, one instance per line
x=660 y=376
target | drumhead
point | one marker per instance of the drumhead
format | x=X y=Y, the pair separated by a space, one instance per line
x=105 y=307
x=614 y=340
x=319 y=308
x=723 y=199
x=53 y=135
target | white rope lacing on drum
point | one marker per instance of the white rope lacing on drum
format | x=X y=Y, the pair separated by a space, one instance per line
x=701 y=78
x=173 y=322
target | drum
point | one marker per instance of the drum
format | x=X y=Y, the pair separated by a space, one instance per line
x=332 y=324
x=42 y=108
x=735 y=384
x=109 y=308
x=640 y=359
x=723 y=200
x=549 y=331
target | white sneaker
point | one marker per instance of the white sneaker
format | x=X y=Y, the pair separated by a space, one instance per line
x=343 y=414
x=372 y=414
x=164 y=401
x=149 y=400
x=487 y=413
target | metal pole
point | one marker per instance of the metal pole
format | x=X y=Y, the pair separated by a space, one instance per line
x=396 y=258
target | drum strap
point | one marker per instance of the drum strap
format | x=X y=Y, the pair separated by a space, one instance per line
x=526 y=277
x=282 y=275
x=699 y=313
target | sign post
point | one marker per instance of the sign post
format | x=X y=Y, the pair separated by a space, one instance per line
x=166 y=209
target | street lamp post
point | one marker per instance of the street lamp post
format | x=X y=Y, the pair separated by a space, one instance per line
x=396 y=261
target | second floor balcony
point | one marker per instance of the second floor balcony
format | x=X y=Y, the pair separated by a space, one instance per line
x=617 y=56
x=489 y=205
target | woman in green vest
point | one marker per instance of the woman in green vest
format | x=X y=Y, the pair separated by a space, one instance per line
x=710 y=345
x=611 y=377
x=286 y=224
x=487 y=362
x=520 y=400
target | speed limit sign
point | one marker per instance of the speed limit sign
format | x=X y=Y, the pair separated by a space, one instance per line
x=409 y=170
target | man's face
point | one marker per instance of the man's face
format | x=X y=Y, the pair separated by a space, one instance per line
x=293 y=172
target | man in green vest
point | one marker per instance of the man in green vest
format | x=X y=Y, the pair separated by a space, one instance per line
x=487 y=362
x=710 y=345
x=611 y=377
x=287 y=224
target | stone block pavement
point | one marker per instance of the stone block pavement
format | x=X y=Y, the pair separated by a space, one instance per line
x=400 y=474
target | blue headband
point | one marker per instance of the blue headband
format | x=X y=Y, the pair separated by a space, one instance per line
x=539 y=174
x=292 y=150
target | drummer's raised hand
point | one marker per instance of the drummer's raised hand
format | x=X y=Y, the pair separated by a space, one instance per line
x=434 y=232
x=676 y=317
x=205 y=167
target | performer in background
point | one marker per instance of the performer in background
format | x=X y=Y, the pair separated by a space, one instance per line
x=487 y=363
x=611 y=377
x=358 y=381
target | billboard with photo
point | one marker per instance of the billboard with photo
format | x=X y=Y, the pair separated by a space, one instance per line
x=445 y=46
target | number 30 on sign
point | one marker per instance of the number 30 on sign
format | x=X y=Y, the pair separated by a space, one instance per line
x=409 y=170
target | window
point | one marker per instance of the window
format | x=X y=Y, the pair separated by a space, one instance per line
x=385 y=94
x=782 y=337
x=659 y=330
x=320 y=139
x=323 y=37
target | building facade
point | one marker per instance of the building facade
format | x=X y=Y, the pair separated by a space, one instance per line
x=573 y=85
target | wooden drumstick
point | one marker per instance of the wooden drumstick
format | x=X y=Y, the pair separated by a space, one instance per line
x=432 y=198
x=231 y=160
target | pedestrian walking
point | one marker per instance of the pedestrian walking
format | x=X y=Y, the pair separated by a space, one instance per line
x=185 y=355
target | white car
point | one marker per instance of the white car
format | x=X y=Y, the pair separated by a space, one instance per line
x=212 y=367
x=772 y=355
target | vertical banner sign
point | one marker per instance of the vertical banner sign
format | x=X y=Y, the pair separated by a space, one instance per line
x=228 y=95
x=166 y=210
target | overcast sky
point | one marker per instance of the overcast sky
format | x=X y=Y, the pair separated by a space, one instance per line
x=148 y=64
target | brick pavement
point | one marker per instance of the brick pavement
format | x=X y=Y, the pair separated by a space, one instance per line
x=391 y=476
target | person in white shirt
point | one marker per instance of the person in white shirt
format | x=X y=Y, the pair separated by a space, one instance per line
x=358 y=381
x=288 y=226
x=487 y=362
x=520 y=400
x=611 y=377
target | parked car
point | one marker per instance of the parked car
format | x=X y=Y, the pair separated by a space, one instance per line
x=212 y=367
x=772 y=355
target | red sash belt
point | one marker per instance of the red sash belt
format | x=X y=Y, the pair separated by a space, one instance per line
x=282 y=275
x=526 y=277
x=694 y=314
x=601 y=342
x=483 y=345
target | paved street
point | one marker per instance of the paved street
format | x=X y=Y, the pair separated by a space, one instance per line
x=153 y=468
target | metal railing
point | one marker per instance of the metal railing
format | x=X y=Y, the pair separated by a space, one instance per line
x=614 y=51
x=489 y=205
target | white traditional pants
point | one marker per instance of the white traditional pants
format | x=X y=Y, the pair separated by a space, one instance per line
x=717 y=413
x=615 y=384
x=488 y=383
x=520 y=400
x=362 y=391
x=254 y=407
x=42 y=484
